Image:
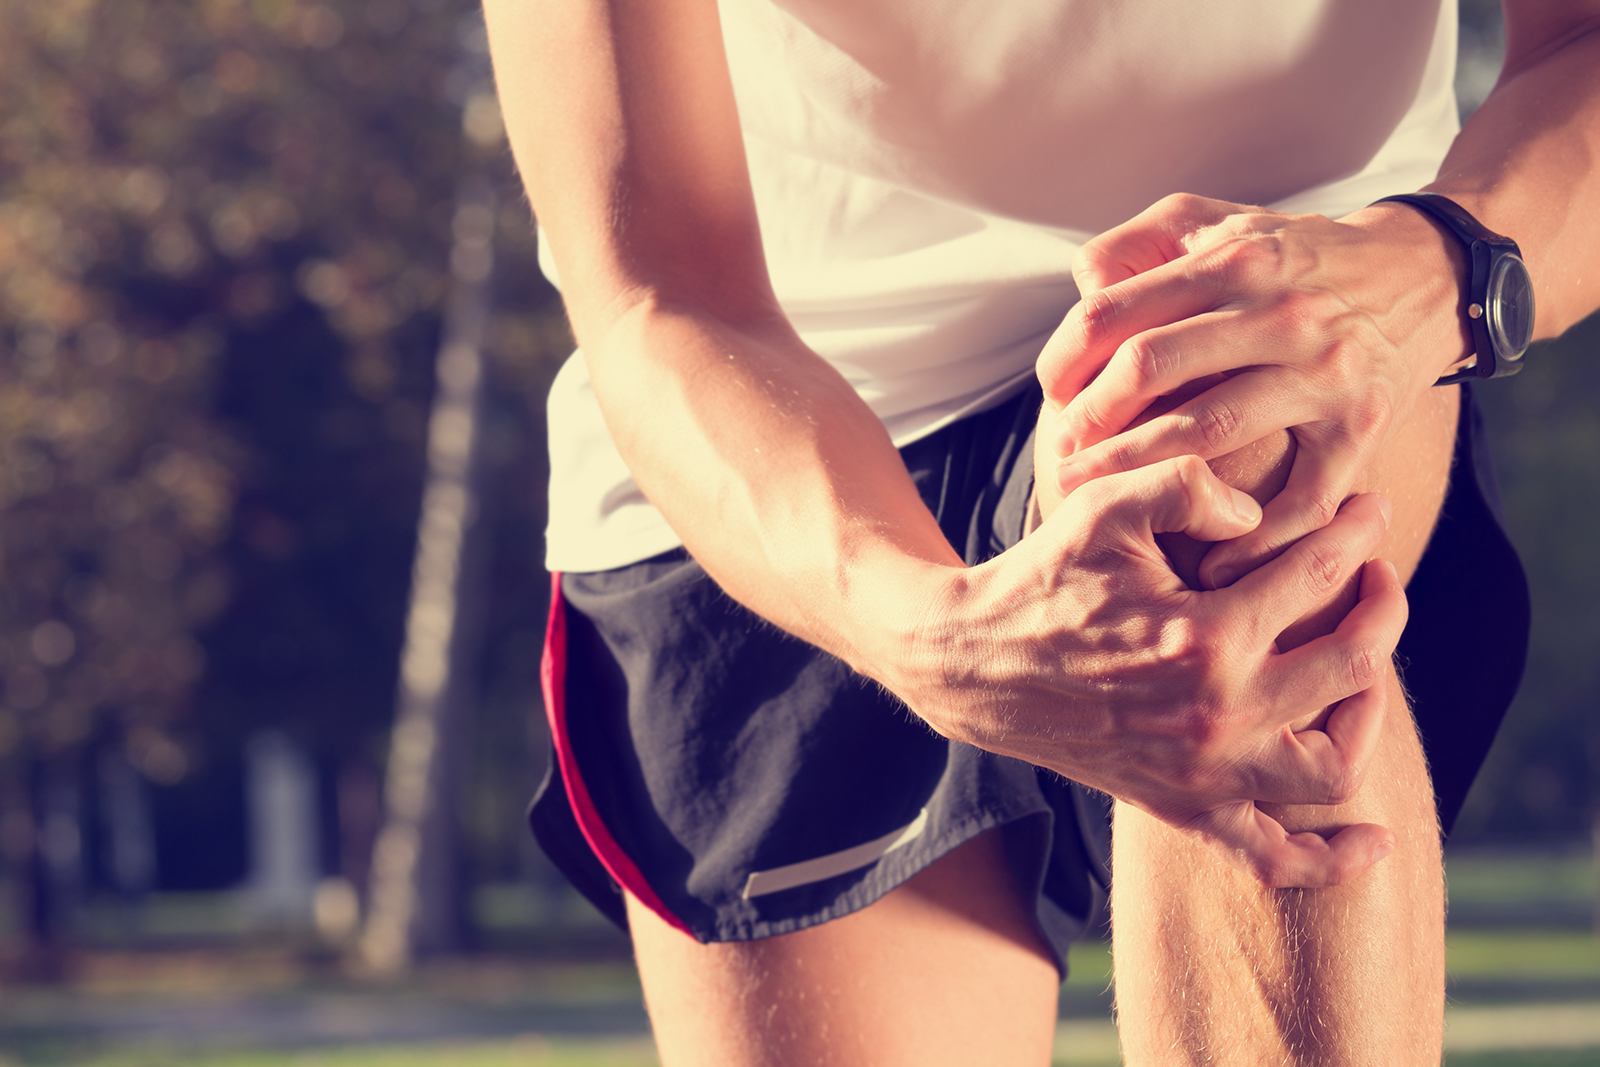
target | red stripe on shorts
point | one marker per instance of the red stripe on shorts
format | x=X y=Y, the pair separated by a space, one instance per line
x=553 y=677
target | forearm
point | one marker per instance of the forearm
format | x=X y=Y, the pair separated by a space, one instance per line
x=1525 y=164
x=777 y=476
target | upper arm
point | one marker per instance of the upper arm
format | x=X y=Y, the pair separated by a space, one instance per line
x=622 y=119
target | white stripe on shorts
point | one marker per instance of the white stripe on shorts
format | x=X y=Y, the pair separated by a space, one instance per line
x=805 y=872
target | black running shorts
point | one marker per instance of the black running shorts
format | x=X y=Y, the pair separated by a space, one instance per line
x=741 y=783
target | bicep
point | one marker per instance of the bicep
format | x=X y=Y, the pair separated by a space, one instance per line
x=622 y=119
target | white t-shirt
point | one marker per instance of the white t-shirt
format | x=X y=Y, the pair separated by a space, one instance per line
x=925 y=171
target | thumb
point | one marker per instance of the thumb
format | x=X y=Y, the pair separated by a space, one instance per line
x=1179 y=495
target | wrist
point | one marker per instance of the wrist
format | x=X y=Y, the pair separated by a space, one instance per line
x=893 y=613
x=1427 y=263
x=913 y=638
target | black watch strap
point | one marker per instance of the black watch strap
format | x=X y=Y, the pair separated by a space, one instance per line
x=1480 y=244
x=1453 y=215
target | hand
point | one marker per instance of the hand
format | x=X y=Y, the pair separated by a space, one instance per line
x=1329 y=329
x=1080 y=650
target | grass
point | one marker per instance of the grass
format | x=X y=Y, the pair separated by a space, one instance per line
x=532 y=1053
x=1530 y=890
x=1522 y=965
x=518 y=1052
x=1509 y=956
x=1562 y=1058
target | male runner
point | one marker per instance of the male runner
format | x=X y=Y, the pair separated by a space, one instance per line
x=809 y=874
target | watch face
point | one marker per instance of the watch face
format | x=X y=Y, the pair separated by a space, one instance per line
x=1510 y=307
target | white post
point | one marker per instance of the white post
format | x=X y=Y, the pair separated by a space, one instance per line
x=283 y=830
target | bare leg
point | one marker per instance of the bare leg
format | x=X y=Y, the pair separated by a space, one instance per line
x=1213 y=969
x=946 y=969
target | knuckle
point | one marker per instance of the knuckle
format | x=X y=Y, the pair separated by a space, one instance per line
x=1323 y=571
x=1342 y=787
x=1191 y=470
x=1190 y=475
x=1302 y=315
x=1147 y=362
x=1370 y=416
x=1089 y=416
x=1181 y=203
x=1344 y=365
x=1364 y=665
x=1117 y=456
x=1273 y=873
x=1099 y=317
x=1218 y=425
x=1322 y=506
x=1090 y=258
x=1317 y=568
x=1251 y=259
x=1336 y=776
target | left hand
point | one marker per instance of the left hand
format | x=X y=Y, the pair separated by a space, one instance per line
x=1329 y=329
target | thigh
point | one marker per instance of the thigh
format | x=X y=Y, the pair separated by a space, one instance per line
x=1211 y=968
x=948 y=968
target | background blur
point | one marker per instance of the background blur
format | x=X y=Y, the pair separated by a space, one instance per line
x=226 y=237
x=251 y=518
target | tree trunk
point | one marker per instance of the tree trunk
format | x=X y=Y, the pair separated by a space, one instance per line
x=416 y=892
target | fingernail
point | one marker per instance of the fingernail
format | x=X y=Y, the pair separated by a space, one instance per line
x=1245 y=506
x=1222 y=577
x=1068 y=477
x=1387 y=509
x=1065 y=443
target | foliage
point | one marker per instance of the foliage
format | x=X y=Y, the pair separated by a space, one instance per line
x=224 y=227
x=223 y=234
x=1543 y=777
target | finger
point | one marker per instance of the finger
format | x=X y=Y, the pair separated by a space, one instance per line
x=1236 y=412
x=1103 y=320
x=1156 y=235
x=1320 y=478
x=1322 y=766
x=1180 y=495
x=1255 y=842
x=1174 y=347
x=1309 y=573
x=1328 y=669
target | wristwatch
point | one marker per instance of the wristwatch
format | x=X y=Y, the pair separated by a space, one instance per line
x=1499 y=290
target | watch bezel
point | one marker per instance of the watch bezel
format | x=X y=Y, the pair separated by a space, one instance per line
x=1496 y=303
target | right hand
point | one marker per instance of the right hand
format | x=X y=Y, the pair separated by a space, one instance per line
x=1081 y=650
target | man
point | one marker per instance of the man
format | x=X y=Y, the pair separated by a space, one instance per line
x=899 y=187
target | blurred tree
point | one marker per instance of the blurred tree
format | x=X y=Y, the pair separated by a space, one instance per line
x=1542 y=781
x=224 y=233
x=225 y=230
